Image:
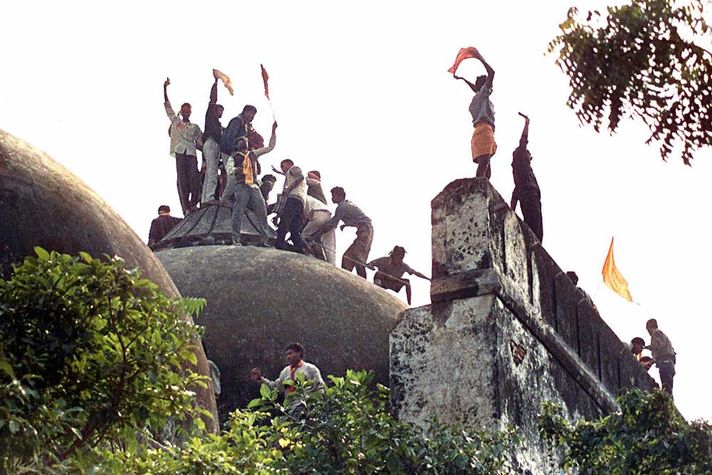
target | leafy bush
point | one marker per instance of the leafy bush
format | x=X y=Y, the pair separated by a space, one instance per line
x=644 y=58
x=346 y=429
x=648 y=435
x=90 y=354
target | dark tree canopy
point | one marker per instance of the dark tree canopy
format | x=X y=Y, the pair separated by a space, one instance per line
x=644 y=59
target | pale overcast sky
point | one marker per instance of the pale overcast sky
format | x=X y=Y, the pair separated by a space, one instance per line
x=361 y=92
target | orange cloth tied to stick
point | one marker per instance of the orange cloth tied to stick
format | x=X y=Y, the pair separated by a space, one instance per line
x=465 y=53
x=225 y=80
x=265 y=78
x=613 y=278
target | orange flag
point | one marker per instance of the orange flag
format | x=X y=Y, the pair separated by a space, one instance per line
x=464 y=53
x=613 y=278
x=265 y=78
x=225 y=80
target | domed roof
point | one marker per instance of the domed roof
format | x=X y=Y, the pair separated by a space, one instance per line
x=260 y=299
x=210 y=225
x=43 y=204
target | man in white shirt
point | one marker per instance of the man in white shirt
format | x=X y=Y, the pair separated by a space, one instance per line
x=317 y=214
x=295 y=366
x=186 y=137
x=291 y=217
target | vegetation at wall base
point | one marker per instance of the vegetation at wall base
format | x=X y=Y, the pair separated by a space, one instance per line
x=646 y=436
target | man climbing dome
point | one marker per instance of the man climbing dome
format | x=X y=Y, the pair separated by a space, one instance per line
x=390 y=272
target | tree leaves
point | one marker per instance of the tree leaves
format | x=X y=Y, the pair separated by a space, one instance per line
x=642 y=60
x=90 y=354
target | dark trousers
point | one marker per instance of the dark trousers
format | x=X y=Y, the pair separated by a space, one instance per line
x=530 y=201
x=188 y=181
x=291 y=219
x=667 y=372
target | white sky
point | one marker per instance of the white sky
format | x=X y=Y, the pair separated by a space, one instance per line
x=362 y=93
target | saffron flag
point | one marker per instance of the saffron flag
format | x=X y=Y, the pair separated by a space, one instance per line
x=613 y=278
x=265 y=78
x=470 y=52
x=225 y=80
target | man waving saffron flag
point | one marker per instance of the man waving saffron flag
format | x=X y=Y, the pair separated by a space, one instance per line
x=613 y=278
x=469 y=52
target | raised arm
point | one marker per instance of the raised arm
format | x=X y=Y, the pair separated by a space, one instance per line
x=488 y=68
x=214 y=93
x=272 y=142
x=167 y=104
x=472 y=86
x=524 y=139
x=166 y=83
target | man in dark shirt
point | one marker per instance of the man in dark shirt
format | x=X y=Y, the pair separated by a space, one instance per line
x=211 y=144
x=162 y=225
x=239 y=126
x=526 y=189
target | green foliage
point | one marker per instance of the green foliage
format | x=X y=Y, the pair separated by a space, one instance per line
x=346 y=429
x=643 y=59
x=90 y=354
x=648 y=435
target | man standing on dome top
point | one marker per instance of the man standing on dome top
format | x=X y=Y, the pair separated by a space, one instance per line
x=242 y=166
x=186 y=137
x=162 y=225
x=211 y=144
x=482 y=144
x=356 y=255
x=296 y=366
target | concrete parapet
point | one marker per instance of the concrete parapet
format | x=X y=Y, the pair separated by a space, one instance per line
x=506 y=331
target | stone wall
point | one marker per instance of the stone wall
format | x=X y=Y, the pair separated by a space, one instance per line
x=506 y=330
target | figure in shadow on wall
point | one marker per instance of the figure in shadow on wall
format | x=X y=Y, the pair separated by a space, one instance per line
x=526 y=188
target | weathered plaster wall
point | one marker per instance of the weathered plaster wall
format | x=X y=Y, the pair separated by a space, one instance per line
x=506 y=331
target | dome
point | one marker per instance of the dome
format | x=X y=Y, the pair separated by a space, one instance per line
x=43 y=204
x=260 y=299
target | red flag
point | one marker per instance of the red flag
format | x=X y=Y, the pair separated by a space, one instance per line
x=265 y=78
x=464 y=53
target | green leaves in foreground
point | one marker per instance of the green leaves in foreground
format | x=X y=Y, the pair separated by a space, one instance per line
x=91 y=354
x=346 y=429
x=648 y=435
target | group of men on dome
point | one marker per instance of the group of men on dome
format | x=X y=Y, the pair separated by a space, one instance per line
x=230 y=176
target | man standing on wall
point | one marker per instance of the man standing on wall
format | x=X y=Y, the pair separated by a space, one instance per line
x=526 y=188
x=482 y=110
x=663 y=354
x=185 y=138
